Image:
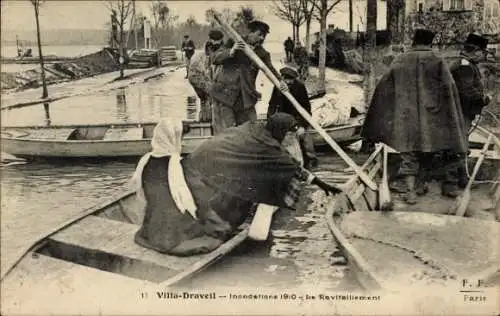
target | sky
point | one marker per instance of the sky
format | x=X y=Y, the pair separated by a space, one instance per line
x=73 y=14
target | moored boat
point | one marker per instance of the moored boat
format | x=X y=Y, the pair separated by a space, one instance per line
x=101 y=239
x=119 y=140
x=420 y=244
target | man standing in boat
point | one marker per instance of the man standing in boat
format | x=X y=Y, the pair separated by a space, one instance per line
x=471 y=89
x=280 y=103
x=233 y=91
x=416 y=110
x=201 y=73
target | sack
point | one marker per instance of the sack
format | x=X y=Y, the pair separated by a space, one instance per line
x=328 y=111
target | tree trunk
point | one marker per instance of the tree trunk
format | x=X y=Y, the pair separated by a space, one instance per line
x=351 y=29
x=308 y=35
x=322 y=52
x=122 y=55
x=45 y=92
x=297 y=30
x=293 y=33
x=370 y=46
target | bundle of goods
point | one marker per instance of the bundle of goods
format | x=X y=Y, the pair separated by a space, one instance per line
x=144 y=58
x=168 y=54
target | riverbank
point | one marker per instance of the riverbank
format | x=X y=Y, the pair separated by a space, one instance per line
x=80 y=87
x=70 y=69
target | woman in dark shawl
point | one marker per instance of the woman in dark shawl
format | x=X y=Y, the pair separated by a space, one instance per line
x=224 y=178
x=248 y=163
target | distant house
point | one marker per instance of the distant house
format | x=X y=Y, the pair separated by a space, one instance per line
x=452 y=20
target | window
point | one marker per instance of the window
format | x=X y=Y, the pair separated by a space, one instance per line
x=457 y=5
x=496 y=8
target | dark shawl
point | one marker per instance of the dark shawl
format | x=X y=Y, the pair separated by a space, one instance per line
x=246 y=162
x=416 y=106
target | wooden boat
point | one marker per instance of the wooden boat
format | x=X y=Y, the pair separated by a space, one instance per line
x=102 y=239
x=419 y=244
x=118 y=140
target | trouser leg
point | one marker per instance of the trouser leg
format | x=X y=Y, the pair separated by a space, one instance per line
x=245 y=115
x=453 y=163
x=222 y=117
x=409 y=169
x=307 y=146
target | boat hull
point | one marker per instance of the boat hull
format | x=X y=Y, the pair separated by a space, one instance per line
x=426 y=246
x=15 y=141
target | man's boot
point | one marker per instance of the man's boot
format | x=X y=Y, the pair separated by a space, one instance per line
x=411 y=195
x=450 y=186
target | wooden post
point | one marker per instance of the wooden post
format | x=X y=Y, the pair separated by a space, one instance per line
x=191 y=108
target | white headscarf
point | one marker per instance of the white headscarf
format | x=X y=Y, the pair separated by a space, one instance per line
x=167 y=141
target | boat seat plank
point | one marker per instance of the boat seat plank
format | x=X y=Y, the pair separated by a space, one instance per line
x=109 y=245
x=134 y=133
x=117 y=238
x=48 y=133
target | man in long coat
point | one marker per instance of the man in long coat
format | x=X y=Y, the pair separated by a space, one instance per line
x=201 y=73
x=233 y=91
x=471 y=88
x=416 y=110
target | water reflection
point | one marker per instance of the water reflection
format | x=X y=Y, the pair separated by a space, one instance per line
x=144 y=102
x=121 y=105
x=47 y=113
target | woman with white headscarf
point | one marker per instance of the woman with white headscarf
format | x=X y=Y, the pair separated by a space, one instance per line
x=177 y=220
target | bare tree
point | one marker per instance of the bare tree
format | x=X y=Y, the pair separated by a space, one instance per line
x=36 y=6
x=395 y=19
x=323 y=8
x=226 y=14
x=370 y=46
x=308 y=11
x=123 y=9
x=162 y=19
x=291 y=11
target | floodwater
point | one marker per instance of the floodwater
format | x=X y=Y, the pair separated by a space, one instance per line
x=38 y=196
x=144 y=102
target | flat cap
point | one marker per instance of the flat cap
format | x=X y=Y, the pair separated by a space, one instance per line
x=289 y=72
x=477 y=40
x=423 y=37
x=258 y=25
x=215 y=34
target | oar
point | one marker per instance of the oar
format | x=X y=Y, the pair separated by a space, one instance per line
x=259 y=228
x=460 y=205
x=384 y=194
x=251 y=54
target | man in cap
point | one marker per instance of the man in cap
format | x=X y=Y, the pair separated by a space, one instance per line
x=471 y=89
x=201 y=73
x=280 y=103
x=233 y=91
x=415 y=109
x=188 y=49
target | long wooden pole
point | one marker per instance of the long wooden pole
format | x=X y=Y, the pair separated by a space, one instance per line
x=251 y=54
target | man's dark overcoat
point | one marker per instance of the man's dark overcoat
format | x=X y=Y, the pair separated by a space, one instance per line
x=237 y=76
x=416 y=106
